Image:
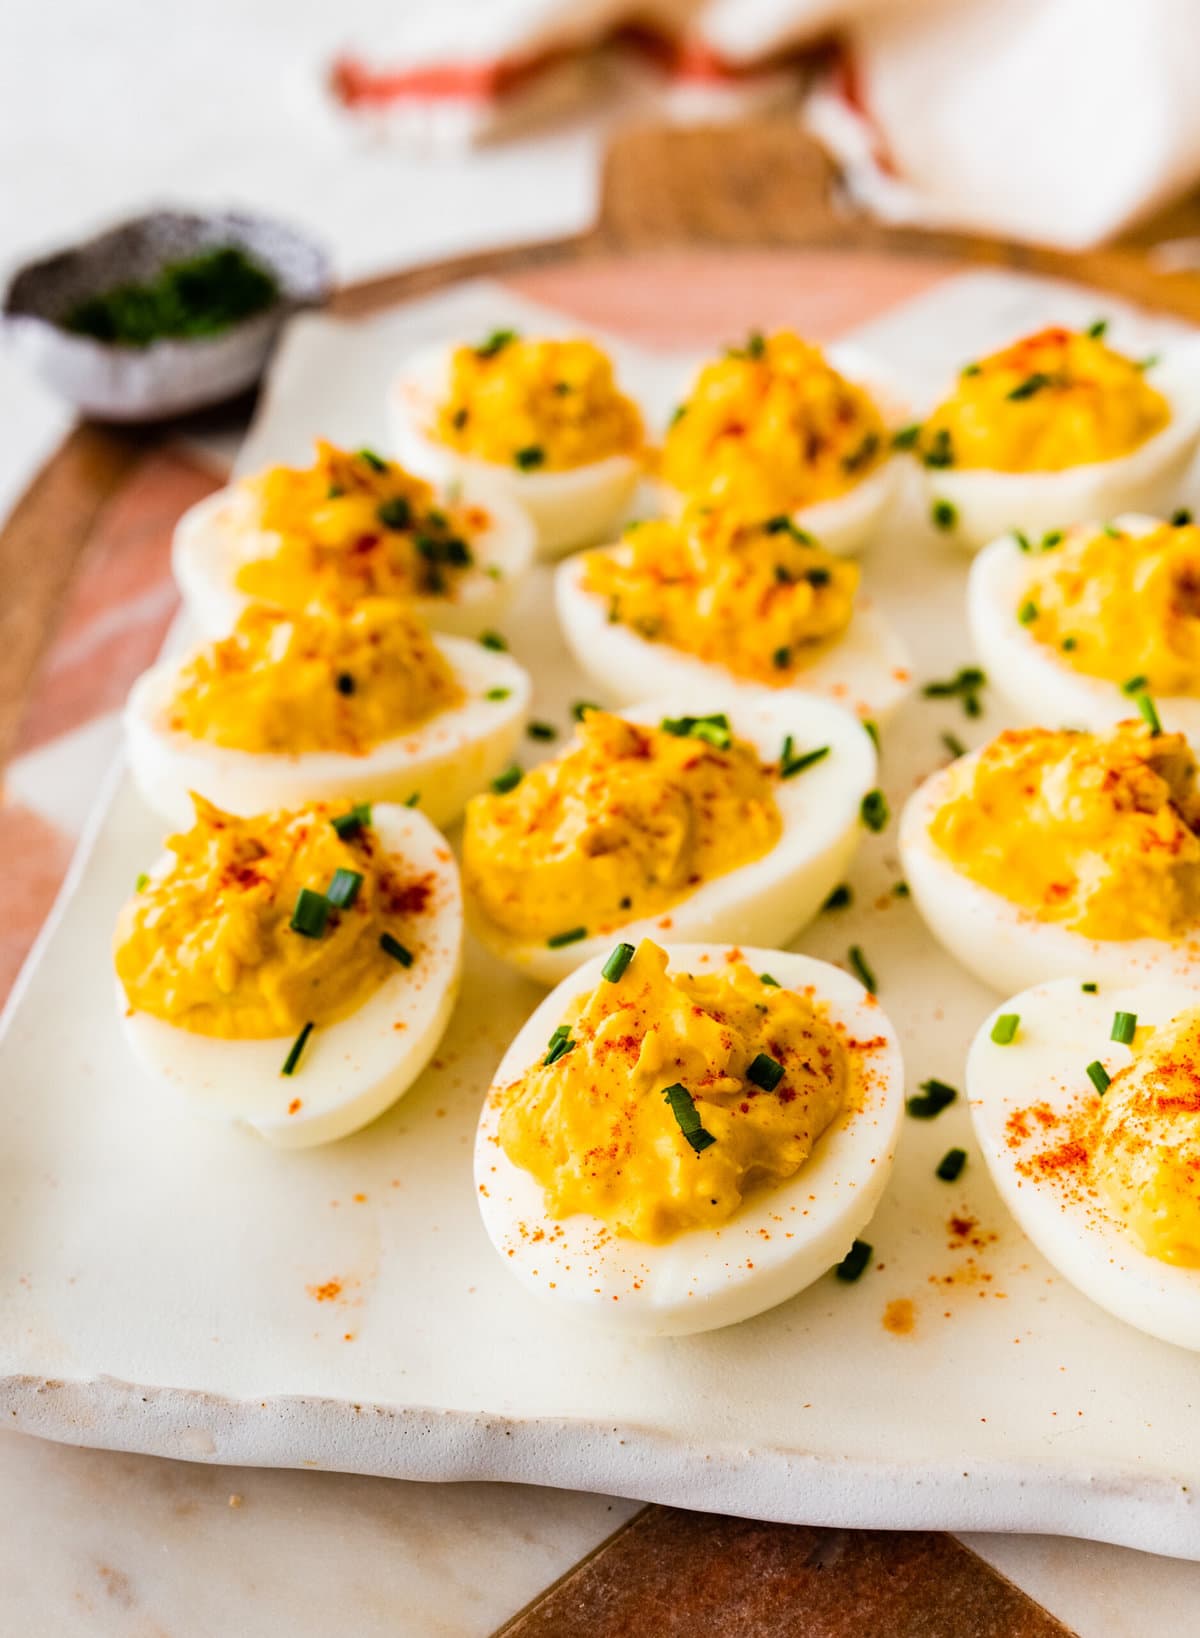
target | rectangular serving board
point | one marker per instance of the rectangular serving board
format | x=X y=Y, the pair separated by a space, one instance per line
x=164 y=1283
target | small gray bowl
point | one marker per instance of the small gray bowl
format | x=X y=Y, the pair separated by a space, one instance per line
x=110 y=382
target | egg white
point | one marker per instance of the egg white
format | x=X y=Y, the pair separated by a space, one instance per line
x=780 y=1241
x=218 y=536
x=770 y=899
x=444 y=760
x=349 y=1071
x=1003 y=944
x=570 y=508
x=989 y=503
x=867 y=670
x=1036 y=681
x=1061 y=1031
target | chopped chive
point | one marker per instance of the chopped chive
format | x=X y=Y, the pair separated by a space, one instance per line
x=1181 y=518
x=862 y=971
x=677 y=415
x=713 y=730
x=497 y=693
x=933 y=1097
x=393 y=947
x=559 y=1044
x=1069 y=645
x=765 y=1071
x=1089 y=989
x=1111 y=530
x=1096 y=329
x=142 y=882
x=783 y=524
x=1124 y=1027
x=572 y=936
x=971 y=369
x=1022 y=540
x=854 y=1262
x=1005 y=1028
x=310 y=914
x=901 y=890
x=541 y=730
x=1028 y=612
x=871 y=729
x=1099 y=1076
x=533 y=455
x=874 y=810
x=581 y=707
x=941 y=451
x=298 y=1046
x=1051 y=539
x=771 y=983
x=413 y=801
x=1148 y=712
x=780 y=658
x=838 y=899
x=683 y=1107
x=790 y=765
x=493 y=640
x=614 y=968
x=943 y=514
x=949 y=1167
x=495 y=343
x=954 y=745
x=394 y=513
x=354 y=820
x=1149 y=361
x=508 y=780
x=1134 y=685
x=344 y=683
x=375 y=462
x=343 y=889
x=906 y=437
x=1031 y=384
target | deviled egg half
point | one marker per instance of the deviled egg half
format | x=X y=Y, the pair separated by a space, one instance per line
x=1052 y=853
x=293 y=972
x=706 y=601
x=660 y=823
x=682 y=1136
x=352 y=525
x=543 y=419
x=1077 y=628
x=1086 y=1102
x=1054 y=430
x=774 y=428
x=360 y=703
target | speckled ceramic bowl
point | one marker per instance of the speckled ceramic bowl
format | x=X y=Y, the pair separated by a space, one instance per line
x=121 y=383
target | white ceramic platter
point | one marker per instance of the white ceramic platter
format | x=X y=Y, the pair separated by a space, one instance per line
x=180 y=1288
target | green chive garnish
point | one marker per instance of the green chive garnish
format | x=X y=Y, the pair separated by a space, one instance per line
x=1070 y=644
x=495 y=343
x=571 y=936
x=862 y=971
x=581 y=707
x=949 y=1167
x=614 y=968
x=393 y=947
x=298 y=1046
x=771 y=983
x=1031 y=384
x=1181 y=518
x=142 y=882
x=1089 y=989
x=1022 y=540
x=1148 y=713
x=1150 y=361
x=713 y=730
x=497 y=693
x=780 y=658
x=1124 y=1026
x=343 y=889
x=1051 y=539
x=394 y=513
x=874 y=810
x=541 y=730
x=790 y=764
x=854 y=1262
x=871 y=729
x=954 y=745
x=683 y=1107
x=375 y=462
x=493 y=640
x=941 y=452
x=413 y=801
x=933 y=1097
x=838 y=899
x=559 y=1045
x=1134 y=685
x=349 y=824
x=508 y=780
x=964 y=686
x=1099 y=1076
x=944 y=514
x=902 y=890
x=311 y=913
x=906 y=437
x=1005 y=1028
x=765 y=1071
x=533 y=455
x=1027 y=613
x=1097 y=329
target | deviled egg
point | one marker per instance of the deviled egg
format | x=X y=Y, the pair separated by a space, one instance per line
x=544 y=419
x=1054 y=430
x=706 y=601
x=1051 y=853
x=293 y=972
x=683 y=1136
x=352 y=525
x=362 y=703
x=667 y=824
x=774 y=428
x=1073 y=628
x=1086 y=1103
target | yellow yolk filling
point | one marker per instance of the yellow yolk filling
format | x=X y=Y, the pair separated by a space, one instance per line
x=622 y=826
x=759 y=599
x=771 y=427
x=1117 y=606
x=537 y=405
x=1095 y=832
x=1052 y=400
x=352 y=526
x=320 y=681
x=596 y=1131
x=209 y=947
x=1145 y=1155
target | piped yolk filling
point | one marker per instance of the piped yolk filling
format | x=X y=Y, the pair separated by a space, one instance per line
x=623 y=825
x=354 y=525
x=1118 y=606
x=771 y=427
x=537 y=405
x=1096 y=832
x=762 y=600
x=761 y=1067
x=324 y=680
x=1050 y=401
x=210 y=946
